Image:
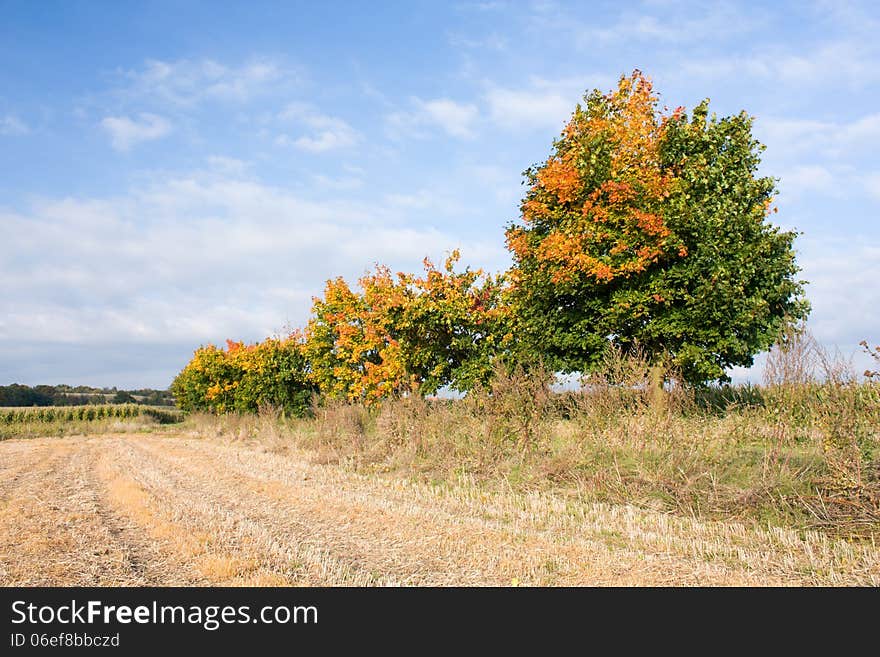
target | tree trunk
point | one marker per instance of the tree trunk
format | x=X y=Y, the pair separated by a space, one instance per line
x=656 y=393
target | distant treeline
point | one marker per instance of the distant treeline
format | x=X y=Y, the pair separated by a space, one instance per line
x=65 y=395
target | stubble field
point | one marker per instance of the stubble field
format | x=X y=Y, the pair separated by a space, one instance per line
x=171 y=508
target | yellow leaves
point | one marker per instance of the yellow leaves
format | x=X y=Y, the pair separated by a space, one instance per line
x=614 y=193
x=600 y=196
x=395 y=331
x=518 y=242
x=602 y=272
x=214 y=391
x=648 y=253
x=651 y=223
x=451 y=261
x=245 y=376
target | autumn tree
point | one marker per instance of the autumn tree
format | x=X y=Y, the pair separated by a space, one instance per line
x=405 y=333
x=455 y=326
x=650 y=228
x=246 y=377
x=206 y=382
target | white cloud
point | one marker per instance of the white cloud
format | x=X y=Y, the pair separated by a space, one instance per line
x=813 y=156
x=518 y=108
x=842 y=288
x=195 y=258
x=454 y=118
x=342 y=183
x=504 y=183
x=11 y=125
x=806 y=178
x=327 y=132
x=326 y=140
x=798 y=138
x=419 y=200
x=872 y=184
x=126 y=132
x=851 y=62
x=227 y=165
x=186 y=82
x=721 y=20
x=542 y=103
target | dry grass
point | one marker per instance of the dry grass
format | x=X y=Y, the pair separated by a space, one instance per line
x=622 y=483
x=809 y=467
x=172 y=509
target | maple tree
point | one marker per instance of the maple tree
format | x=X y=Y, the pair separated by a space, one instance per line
x=245 y=377
x=650 y=228
x=402 y=333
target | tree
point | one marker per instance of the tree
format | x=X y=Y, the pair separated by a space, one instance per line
x=455 y=326
x=123 y=397
x=405 y=333
x=206 y=382
x=245 y=377
x=649 y=228
x=22 y=395
x=272 y=373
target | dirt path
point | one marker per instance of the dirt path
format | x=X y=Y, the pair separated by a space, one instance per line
x=175 y=510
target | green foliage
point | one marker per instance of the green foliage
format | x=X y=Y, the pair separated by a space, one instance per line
x=274 y=373
x=736 y=289
x=645 y=232
x=716 y=280
x=246 y=377
x=123 y=397
x=406 y=333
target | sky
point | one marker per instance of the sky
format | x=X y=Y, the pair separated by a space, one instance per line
x=173 y=174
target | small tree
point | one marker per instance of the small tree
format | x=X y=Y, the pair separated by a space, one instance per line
x=405 y=333
x=245 y=377
x=205 y=383
x=650 y=229
x=271 y=373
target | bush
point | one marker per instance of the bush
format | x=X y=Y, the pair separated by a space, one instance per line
x=244 y=378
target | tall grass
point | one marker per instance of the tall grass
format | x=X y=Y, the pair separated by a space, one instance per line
x=801 y=450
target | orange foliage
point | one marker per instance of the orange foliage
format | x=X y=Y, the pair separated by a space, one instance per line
x=601 y=193
x=560 y=178
x=396 y=333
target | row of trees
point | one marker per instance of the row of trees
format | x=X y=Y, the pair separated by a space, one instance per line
x=18 y=394
x=392 y=334
x=643 y=228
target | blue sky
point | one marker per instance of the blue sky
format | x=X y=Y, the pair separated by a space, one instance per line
x=176 y=173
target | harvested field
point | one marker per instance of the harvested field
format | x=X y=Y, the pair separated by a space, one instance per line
x=151 y=509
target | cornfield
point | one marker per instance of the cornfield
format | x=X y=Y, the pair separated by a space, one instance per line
x=11 y=416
